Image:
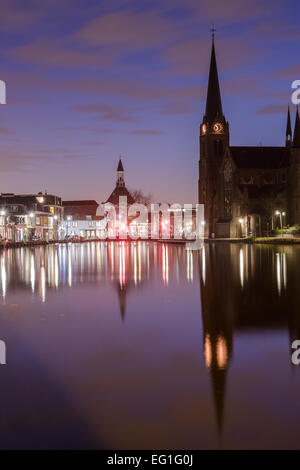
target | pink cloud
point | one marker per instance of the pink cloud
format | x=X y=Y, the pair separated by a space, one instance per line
x=146 y=132
x=192 y=56
x=52 y=53
x=291 y=72
x=230 y=10
x=129 y=88
x=176 y=107
x=6 y=131
x=273 y=109
x=105 y=112
x=126 y=29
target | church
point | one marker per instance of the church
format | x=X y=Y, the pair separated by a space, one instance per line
x=246 y=191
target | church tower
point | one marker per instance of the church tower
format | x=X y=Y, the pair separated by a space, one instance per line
x=288 y=133
x=214 y=139
x=295 y=174
x=120 y=183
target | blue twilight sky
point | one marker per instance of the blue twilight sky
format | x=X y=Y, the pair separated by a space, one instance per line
x=87 y=80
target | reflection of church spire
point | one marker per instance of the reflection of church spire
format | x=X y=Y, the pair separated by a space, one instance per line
x=217 y=333
x=122 y=300
x=216 y=352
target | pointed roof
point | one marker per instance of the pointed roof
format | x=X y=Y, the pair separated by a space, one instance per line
x=288 y=124
x=213 y=100
x=117 y=193
x=296 y=140
x=120 y=166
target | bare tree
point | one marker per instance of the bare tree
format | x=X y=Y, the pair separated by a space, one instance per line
x=140 y=197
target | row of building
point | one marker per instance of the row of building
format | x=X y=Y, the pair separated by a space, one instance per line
x=43 y=216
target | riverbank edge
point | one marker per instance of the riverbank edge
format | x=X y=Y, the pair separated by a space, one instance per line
x=250 y=240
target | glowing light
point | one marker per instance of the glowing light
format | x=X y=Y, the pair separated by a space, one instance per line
x=278 y=272
x=240 y=221
x=203 y=265
x=242 y=267
x=122 y=265
x=207 y=350
x=3 y=277
x=222 y=354
x=43 y=284
x=165 y=264
x=281 y=271
x=32 y=273
x=189 y=266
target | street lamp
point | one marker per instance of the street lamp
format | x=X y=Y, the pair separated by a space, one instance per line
x=281 y=214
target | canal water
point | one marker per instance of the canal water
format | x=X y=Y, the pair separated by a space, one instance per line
x=145 y=345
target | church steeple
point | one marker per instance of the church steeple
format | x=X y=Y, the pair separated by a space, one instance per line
x=288 y=134
x=120 y=174
x=213 y=109
x=296 y=139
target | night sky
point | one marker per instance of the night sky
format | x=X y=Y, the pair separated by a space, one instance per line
x=87 y=80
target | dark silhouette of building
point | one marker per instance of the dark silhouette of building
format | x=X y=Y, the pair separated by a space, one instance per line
x=245 y=190
x=79 y=209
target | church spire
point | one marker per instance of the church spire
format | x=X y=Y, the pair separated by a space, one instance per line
x=120 y=174
x=288 y=134
x=213 y=101
x=296 y=140
x=120 y=165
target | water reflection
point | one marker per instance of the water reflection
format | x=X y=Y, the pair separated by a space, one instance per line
x=242 y=289
x=246 y=288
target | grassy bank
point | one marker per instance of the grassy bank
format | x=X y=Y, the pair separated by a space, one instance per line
x=267 y=240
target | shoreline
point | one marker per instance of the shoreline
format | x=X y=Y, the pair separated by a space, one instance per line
x=253 y=240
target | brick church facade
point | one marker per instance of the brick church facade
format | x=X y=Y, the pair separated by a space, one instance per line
x=245 y=190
